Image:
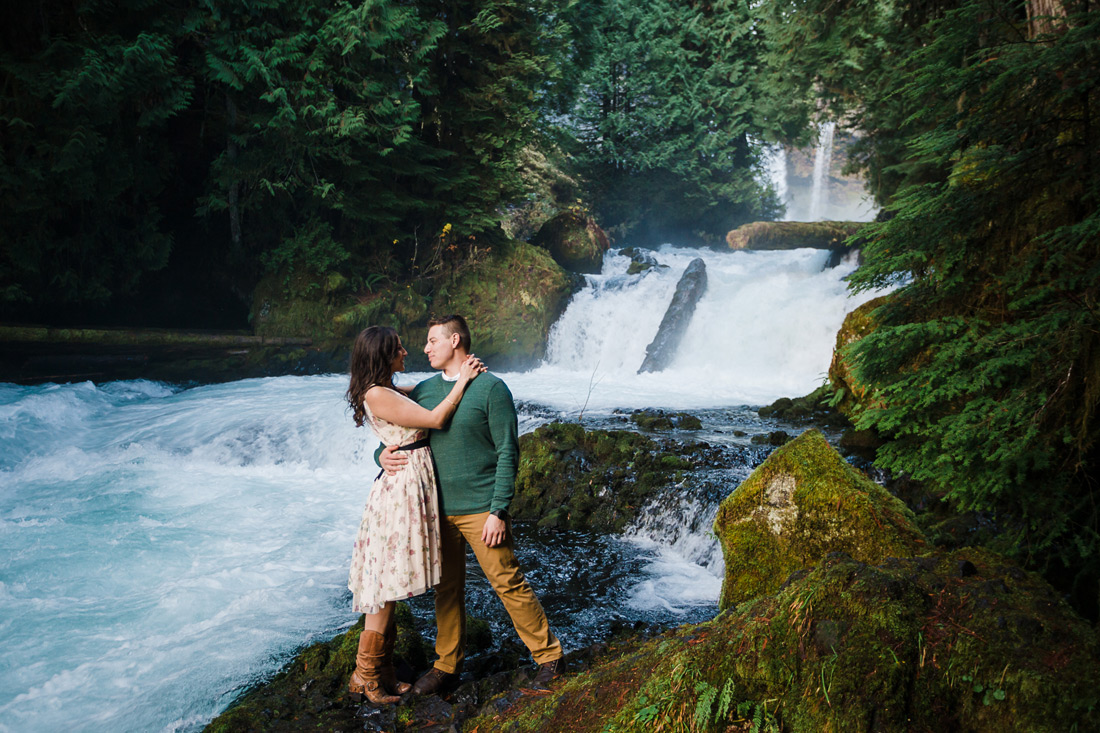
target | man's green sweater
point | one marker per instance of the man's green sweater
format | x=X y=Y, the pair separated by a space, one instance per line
x=477 y=453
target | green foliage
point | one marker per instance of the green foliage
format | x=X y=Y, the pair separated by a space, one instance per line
x=306 y=136
x=667 y=114
x=984 y=366
x=81 y=167
x=845 y=60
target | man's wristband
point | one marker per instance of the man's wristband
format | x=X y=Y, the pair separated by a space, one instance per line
x=501 y=514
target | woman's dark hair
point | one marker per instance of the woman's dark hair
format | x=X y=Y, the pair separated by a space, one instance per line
x=372 y=358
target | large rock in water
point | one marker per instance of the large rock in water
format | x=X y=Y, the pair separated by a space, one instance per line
x=592 y=480
x=964 y=642
x=574 y=240
x=802 y=503
x=692 y=286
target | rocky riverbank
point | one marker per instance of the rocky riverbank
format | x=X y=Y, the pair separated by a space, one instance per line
x=858 y=622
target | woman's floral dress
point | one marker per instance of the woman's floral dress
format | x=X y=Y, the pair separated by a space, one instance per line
x=396 y=553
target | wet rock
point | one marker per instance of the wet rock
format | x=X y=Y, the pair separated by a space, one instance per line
x=802 y=503
x=776 y=437
x=650 y=419
x=574 y=240
x=846 y=646
x=641 y=260
x=815 y=408
x=854 y=394
x=572 y=478
x=692 y=286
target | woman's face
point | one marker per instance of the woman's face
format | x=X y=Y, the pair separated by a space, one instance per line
x=398 y=364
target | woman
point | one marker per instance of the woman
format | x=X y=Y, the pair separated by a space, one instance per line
x=396 y=553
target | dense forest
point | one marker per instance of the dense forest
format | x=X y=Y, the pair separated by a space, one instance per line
x=158 y=159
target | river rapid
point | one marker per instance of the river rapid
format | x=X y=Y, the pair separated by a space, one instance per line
x=161 y=548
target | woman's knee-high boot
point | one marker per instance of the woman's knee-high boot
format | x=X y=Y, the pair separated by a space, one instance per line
x=366 y=681
x=388 y=672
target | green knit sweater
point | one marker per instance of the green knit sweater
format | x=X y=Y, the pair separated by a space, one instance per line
x=476 y=455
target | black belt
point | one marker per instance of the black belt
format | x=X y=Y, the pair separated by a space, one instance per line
x=422 y=443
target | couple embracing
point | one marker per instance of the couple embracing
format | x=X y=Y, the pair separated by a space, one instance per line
x=430 y=501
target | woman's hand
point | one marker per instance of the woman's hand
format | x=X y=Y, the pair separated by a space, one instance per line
x=471 y=368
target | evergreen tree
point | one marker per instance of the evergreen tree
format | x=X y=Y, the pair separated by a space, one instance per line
x=85 y=93
x=668 y=113
x=987 y=361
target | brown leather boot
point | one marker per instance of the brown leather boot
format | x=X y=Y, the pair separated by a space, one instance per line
x=387 y=672
x=366 y=679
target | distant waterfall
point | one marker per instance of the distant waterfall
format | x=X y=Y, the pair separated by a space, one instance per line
x=823 y=160
x=775 y=162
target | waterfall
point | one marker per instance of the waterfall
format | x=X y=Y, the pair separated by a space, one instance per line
x=775 y=163
x=823 y=160
x=765 y=329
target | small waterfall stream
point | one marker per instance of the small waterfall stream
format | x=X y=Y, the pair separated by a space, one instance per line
x=823 y=161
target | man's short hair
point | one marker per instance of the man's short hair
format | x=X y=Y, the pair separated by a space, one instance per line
x=454 y=324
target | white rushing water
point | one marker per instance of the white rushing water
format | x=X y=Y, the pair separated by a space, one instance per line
x=161 y=548
x=764 y=329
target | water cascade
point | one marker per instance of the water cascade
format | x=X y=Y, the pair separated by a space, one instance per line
x=163 y=548
x=823 y=160
x=775 y=163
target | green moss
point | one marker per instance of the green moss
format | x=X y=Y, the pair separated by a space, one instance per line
x=570 y=478
x=660 y=420
x=309 y=693
x=803 y=502
x=815 y=407
x=510 y=298
x=574 y=240
x=921 y=644
x=851 y=392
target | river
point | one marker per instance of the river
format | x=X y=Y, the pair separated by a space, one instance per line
x=163 y=548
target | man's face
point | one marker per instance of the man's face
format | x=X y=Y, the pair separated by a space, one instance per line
x=440 y=347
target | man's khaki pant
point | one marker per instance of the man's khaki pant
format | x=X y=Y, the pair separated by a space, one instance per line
x=502 y=570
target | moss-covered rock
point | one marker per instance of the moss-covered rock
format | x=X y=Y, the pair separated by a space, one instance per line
x=815 y=408
x=310 y=693
x=792 y=234
x=572 y=478
x=510 y=298
x=550 y=186
x=655 y=420
x=803 y=502
x=958 y=642
x=574 y=240
x=853 y=392
x=510 y=293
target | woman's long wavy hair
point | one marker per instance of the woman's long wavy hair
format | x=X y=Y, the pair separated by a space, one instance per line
x=372 y=358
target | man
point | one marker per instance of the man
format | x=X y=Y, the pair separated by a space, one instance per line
x=476 y=458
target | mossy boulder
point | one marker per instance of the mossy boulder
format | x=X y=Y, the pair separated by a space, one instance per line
x=656 y=420
x=802 y=503
x=310 y=693
x=958 y=642
x=574 y=240
x=510 y=293
x=510 y=297
x=815 y=408
x=572 y=478
x=793 y=234
x=854 y=393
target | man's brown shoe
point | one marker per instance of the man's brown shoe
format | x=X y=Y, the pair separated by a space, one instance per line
x=433 y=681
x=548 y=672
